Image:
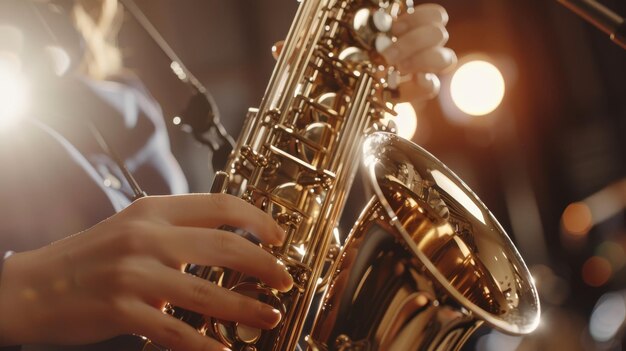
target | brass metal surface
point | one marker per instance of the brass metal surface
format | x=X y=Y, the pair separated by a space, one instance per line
x=426 y=264
x=422 y=255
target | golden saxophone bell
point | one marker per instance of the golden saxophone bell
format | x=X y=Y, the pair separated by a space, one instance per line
x=425 y=265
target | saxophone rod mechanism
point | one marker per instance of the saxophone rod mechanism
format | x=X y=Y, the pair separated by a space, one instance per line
x=601 y=17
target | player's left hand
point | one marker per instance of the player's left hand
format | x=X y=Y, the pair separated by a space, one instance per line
x=419 y=53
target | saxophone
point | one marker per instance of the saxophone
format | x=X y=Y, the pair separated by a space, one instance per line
x=425 y=264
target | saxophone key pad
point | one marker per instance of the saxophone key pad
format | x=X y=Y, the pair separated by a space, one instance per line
x=369 y=25
x=382 y=42
x=353 y=54
x=299 y=272
x=382 y=21
x=240 y=335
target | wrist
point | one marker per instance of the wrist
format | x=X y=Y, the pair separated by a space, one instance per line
x=15 y=301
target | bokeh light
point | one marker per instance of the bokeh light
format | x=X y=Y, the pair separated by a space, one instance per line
x=477 y=87
x=577 y=219
x=497 y=341
x=608 y=316
x=405 y=121
x=552 y=288
x=596 y=271
x=612 y=252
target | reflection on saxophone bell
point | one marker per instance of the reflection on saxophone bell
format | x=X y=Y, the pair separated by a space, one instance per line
x=425 y=265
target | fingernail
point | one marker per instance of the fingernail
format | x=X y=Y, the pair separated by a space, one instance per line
x=281 y=234
x=287 y=279
x=391 y=54
x=451 y=56
x=287 y=282
x=270 y=315
x=444 y=17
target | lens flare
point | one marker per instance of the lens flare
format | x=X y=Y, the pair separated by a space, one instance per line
x=13 y=93
x=577 y=219
x=596 y=271
x=477 y=88
x=608 y=316
x=405 y=121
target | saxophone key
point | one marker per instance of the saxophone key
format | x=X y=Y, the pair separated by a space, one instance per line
x=254 y=157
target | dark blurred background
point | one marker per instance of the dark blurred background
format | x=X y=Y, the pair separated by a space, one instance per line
x=550 y=161
x=557 y=141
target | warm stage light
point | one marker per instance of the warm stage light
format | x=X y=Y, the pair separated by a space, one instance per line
x=608 y=316
x=577 y=219
x=614 y=253
x=13 y=93
x=596 y=271
x=405 y=121
x=477 y=88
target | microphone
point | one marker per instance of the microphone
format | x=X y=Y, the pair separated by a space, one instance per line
x=601 y=17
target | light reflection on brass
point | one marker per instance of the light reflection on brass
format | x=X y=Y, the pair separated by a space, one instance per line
x=407 y=276
x=422 y=269
x=448 y=253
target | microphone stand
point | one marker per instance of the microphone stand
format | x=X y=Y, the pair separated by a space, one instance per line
x=601 y=17
x=201 y=114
